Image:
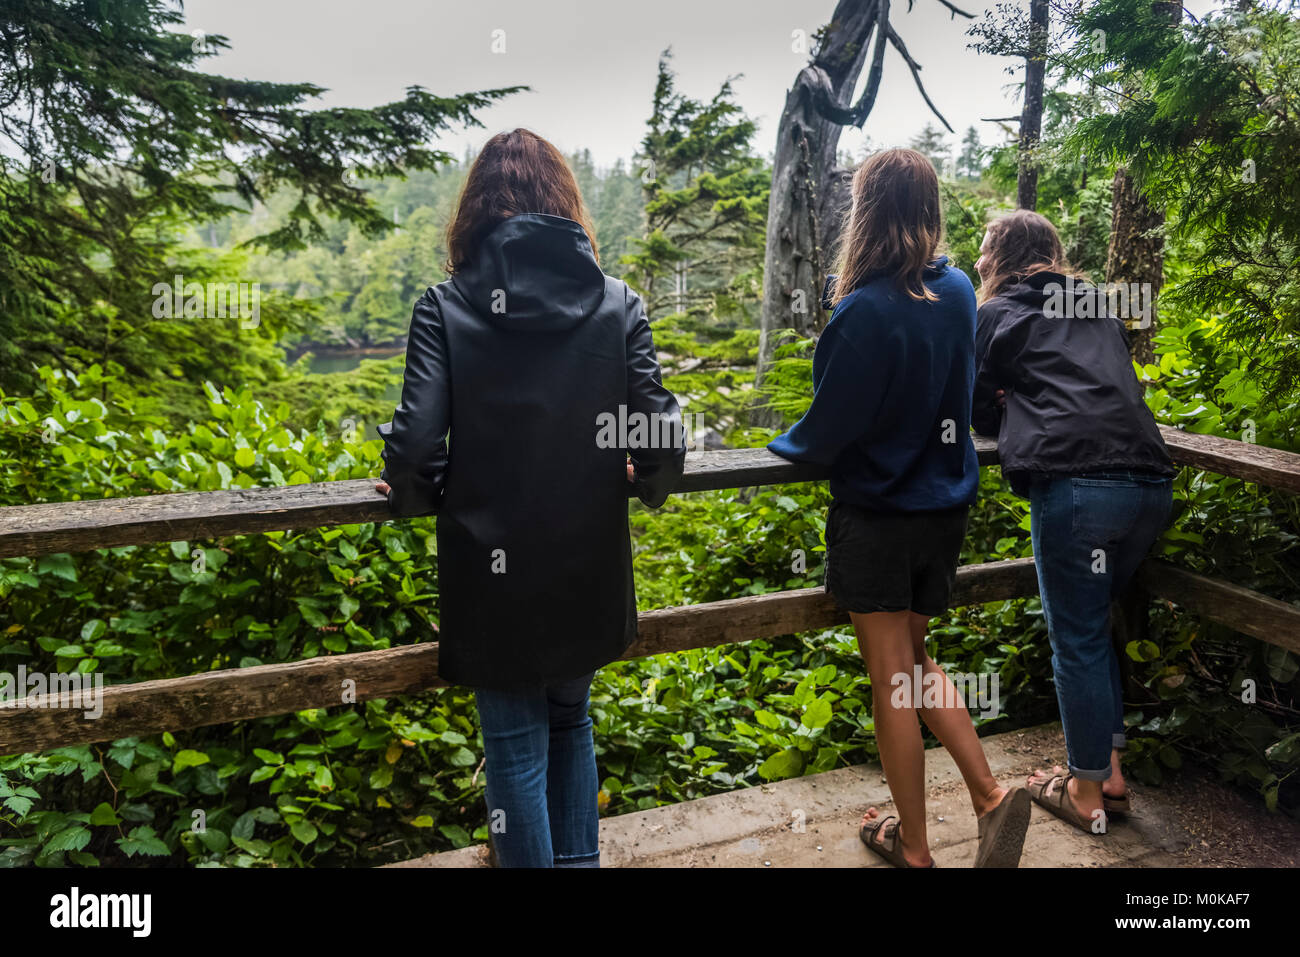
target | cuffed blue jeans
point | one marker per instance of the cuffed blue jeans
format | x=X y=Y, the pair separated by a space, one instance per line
x=541 y=775
x=1090 y=532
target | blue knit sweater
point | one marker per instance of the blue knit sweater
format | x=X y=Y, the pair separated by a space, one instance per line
x=892 y=383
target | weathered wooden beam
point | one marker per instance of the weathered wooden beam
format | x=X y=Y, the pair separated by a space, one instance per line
x=214 y=697
x=1244 y=460
x=238 y=694
x=787 y=612
x=105 y=523
x=175 y=516
x=1242 y=609
x=743 y=468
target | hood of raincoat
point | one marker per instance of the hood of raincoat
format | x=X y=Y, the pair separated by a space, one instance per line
x=535 y=272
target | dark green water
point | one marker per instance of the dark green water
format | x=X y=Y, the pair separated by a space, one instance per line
x=323 y=363
x=344 y=361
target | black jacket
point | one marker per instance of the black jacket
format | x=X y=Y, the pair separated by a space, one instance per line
x=517 y=356
x=1073 y=404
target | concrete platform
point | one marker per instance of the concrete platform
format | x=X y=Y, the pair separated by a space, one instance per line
x=812 y=822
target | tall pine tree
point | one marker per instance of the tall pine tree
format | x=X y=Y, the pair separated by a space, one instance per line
x=119 y=144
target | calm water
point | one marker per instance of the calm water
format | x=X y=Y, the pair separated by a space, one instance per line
x=322 y=363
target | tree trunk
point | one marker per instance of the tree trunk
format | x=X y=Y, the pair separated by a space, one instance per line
x=1031 y=116
x=1135 y=260
x=809 y=192
x=1135 y=257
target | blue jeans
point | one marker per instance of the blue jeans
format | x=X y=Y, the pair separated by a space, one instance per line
x=1090 y=533
x=541 y=775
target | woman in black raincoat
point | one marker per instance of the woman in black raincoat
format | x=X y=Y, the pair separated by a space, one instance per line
x=531 y=379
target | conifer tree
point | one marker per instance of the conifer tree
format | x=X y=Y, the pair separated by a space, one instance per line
x=705 y=202
x=119 y=144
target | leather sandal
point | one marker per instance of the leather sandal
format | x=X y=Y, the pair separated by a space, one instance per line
x=1002 y=831
x=1053 y=795
x=1119 y=805
x=889 y=846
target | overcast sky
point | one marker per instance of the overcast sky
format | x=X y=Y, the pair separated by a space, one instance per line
x=591 y=63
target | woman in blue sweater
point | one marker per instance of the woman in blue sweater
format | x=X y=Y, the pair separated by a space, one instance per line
x=892 y=379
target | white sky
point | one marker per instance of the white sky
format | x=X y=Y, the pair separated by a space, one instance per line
x=591 y=63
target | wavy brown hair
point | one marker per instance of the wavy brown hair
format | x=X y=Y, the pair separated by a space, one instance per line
x=895 y=224
x=517 y=172
x=1020 y=244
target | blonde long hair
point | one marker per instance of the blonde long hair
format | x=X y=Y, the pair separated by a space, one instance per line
x=895 y=224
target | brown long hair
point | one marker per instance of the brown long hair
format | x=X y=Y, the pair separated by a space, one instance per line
x=517 y=172
x=1021 y=244
x=895 y=224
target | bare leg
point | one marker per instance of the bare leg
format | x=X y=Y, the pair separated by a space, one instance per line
x=885 y=643
x=954 y=728
x=1114 y=786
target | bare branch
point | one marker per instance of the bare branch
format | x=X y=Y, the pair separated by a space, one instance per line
x=823 y=100
x=857 y=114
x=915 y=67
x=868 y=98
x=955 y=10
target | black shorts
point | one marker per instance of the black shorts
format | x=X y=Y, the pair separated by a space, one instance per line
x=893 y=561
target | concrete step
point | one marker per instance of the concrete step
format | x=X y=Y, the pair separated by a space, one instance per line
x=812 y=821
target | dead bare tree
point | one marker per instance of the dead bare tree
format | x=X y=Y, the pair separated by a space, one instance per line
x=810 y=191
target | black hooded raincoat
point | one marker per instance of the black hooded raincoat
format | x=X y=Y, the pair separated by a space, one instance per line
x=1073 y=402
x=512 y=368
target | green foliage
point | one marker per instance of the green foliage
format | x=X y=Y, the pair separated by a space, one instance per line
x=1073 y=191
x=613 y=198
x=971 y=159
x=118 y=144
x=1210 y=123
x=933 y=144
x=705 y=206
x=1226 y=700
x=314 y=787
x=966 y=215
x=361 y=287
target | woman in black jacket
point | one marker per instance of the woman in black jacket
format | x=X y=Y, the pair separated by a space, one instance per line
x=531 y=378
x=1055 y=384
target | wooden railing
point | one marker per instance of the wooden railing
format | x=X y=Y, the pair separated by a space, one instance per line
x=219 y=697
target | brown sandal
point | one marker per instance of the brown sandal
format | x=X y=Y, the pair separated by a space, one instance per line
x=1053 y=795
x=1002 y=831
x=1119 y=805
x=889 y=847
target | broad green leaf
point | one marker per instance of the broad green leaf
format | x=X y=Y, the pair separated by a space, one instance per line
x=188 y=758
x=304 y=831
x=817 y=714
x=783 y=764
x=104 y=815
